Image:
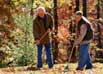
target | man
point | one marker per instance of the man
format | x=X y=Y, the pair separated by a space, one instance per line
x=85 y=34
x=42 y=24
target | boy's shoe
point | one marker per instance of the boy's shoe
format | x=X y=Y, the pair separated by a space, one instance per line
x=89 y=67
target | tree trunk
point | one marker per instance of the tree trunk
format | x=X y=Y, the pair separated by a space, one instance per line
x=98 y=9
x=31 y=7
x=77 y=5
x=84 y=8
x=99 y=29
x=55 y=44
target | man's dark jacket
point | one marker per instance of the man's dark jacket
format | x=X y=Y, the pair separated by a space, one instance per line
x=40 y=26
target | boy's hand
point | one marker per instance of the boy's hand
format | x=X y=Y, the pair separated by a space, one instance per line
x=76 y=43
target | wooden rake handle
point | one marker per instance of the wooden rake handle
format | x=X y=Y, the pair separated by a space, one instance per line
x=43 y=36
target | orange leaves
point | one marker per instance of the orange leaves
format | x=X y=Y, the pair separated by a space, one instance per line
x=57 y=69
x=63 y=33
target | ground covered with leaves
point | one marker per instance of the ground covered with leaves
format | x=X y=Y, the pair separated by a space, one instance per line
x=58 y=69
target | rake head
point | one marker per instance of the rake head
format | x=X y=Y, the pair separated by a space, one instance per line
x=66 y=68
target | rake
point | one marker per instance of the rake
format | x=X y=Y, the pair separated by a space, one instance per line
x=43 y=36
x=67 y=66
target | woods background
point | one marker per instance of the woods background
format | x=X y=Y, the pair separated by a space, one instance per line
x=17 y=46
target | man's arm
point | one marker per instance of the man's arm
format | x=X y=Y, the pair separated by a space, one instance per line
x=35 y=31
x=51 y=22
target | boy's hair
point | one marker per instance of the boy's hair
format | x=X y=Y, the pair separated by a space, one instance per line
x=79 y=13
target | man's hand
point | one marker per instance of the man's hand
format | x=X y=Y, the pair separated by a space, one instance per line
x=48 y=30
x=37 y=42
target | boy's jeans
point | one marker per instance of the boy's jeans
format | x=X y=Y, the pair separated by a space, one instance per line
x=84 y=56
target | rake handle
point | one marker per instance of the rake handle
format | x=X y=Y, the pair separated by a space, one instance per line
x=71 y=54
x=42 y=37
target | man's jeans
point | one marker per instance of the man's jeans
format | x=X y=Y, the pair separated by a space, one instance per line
x=48 y=55
x=84 y=56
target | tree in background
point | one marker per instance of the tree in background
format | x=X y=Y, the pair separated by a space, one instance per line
x=77 y=5
x=99 y=25
x=55 y=44
x=84 y=7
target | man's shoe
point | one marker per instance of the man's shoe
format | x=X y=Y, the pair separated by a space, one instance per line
x=81 y=69
x=33 y=68
x=51 y=67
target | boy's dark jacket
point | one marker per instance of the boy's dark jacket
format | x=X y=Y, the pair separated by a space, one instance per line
x=89 y=33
